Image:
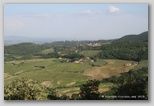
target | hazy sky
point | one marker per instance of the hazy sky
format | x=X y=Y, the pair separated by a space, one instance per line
x=75 y=21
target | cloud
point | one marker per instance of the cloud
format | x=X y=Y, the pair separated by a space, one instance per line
x=113 y=9
x=86 y=13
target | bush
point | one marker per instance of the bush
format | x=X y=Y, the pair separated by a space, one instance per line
x=89 y=91
x=23 y=89
x=73 y=56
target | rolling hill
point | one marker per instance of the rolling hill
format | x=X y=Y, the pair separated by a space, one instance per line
x=140 y=37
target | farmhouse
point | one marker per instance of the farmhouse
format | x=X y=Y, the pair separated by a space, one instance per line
x=128 y=64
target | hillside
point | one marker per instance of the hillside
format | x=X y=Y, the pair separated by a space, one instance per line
x=140 y=37
x=22 y=49
x=27 y=50
x=125 y=50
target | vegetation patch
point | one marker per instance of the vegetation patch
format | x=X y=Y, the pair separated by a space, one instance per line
x=46 y=51
x=90 y=53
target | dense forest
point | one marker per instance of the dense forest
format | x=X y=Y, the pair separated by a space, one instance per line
x=126 y=50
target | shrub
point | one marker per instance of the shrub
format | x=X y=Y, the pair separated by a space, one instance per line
x=23 y=89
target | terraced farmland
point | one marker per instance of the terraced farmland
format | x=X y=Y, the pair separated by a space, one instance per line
x=65 y=76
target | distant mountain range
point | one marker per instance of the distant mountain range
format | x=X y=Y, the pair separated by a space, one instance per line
x=10 y=40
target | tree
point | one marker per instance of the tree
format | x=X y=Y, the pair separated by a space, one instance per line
x=75 y=97
x=23 y=89
x=73 y=56
x=51 y=94
x=133 y=83
x=89 y=91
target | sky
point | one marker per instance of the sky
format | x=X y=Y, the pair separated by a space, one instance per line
x=75 y=21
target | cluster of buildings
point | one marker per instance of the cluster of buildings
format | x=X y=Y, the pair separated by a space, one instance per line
x=92 y=44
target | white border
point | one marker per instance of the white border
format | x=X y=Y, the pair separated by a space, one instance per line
x=150 y=102
x=77 y=1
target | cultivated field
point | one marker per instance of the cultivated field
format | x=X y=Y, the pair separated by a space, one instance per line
x=113 y=67
x=67 y=76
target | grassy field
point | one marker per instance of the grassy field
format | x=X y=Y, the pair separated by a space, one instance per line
x=46 y=51
x=90 y=53
x=68 y=76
